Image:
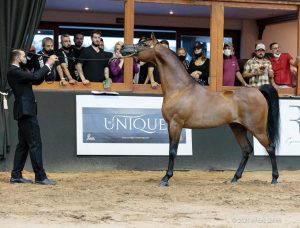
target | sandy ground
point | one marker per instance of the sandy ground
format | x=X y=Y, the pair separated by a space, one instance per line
x=133 y=199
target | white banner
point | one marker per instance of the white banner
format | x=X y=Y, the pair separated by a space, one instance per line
x=290 y=130
x=124 y=125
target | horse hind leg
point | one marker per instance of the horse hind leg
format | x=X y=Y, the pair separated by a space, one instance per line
x=174 y=136
x=264 y=140
x=240 y=133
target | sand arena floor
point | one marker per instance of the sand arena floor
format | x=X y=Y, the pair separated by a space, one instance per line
x=133 y=199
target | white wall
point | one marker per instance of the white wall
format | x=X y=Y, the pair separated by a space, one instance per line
x=285 y=34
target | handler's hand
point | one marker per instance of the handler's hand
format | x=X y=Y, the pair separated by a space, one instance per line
x=52 y=59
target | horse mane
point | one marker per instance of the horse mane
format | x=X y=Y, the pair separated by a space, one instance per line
x=178 y=63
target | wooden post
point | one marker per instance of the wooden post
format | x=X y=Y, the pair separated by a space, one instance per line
x=298 y=54
x=216 y=46
x=128 y=39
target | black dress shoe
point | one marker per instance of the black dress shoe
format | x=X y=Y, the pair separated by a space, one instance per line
x=20 y=181
x=46 y=182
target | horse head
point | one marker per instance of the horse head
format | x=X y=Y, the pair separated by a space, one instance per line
x=143 y=50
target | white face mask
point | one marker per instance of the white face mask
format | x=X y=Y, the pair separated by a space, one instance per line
x=277 y=55
x=227 y=52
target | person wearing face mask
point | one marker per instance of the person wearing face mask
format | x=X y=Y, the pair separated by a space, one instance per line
x=39 y=60
x=199 y=65
x=231 y=68
x=281 y=64
x=25 y=112
x=92 y=65
x=66 y=57
x=181 y=53
x=259 y=69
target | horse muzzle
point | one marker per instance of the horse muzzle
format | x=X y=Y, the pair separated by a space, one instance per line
x=127 y=50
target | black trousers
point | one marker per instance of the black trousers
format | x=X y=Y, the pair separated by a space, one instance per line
x=29 y=141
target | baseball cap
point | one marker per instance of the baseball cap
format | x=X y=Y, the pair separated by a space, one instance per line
x=198 y=45
x=164 y=42
x=227 y=44
x=260 y=46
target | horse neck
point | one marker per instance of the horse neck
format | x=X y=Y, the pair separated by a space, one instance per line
x=173 y=75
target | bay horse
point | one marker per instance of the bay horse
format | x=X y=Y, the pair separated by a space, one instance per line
x=187 y=104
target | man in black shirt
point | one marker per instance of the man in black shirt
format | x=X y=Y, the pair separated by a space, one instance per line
x=66 y=57
x=93 y=62
x=78 y=41
x=39 y=60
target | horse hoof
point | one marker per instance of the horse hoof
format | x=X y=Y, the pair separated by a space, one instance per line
x=274 y=182
x=163 y=184
x=234 y=180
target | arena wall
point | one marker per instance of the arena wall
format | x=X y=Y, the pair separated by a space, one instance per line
x=213 y=149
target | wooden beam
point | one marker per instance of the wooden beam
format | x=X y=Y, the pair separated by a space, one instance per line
x=216 y=46
x=298 y=54
x=260 y=5
x=128 y=39
x=208 y=2
x=177 y=2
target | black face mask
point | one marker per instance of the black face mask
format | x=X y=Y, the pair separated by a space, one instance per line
x=182 y=57
x=66 y=48
x=22 y=65
x=50 y=52
x=198 y=55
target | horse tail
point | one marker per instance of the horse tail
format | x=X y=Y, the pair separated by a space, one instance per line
x=273 y=122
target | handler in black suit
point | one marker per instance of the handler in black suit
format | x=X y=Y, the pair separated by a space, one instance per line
x=25 y=112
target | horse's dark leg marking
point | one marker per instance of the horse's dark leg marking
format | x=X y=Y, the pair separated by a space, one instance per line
x=174 y=135
x=240 y=133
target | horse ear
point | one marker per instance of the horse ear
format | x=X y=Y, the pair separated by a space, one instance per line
x=153 y=38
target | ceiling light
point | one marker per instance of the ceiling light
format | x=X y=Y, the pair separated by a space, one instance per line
x=86 y=8
x=171 y=12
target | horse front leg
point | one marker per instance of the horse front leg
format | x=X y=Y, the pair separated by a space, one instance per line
x=174 y=136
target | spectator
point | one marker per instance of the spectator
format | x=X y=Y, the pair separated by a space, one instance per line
x=281 y=64
x=66 y=56
x=77 y=48
x=116 y=64
x=181 y=53
x=78 y=42
x=199 y=66
x=259 y=69
x=147 y=71
x=165 y=43
x=231 y=68
x=93 y=62
x=30 y=59
x=38 y=61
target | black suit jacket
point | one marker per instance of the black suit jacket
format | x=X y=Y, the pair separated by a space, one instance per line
x=21 y=83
